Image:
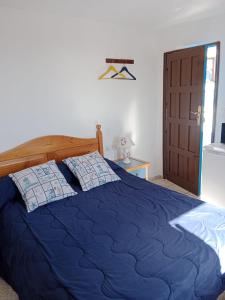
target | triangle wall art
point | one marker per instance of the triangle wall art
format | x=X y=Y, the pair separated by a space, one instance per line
x=113 y=72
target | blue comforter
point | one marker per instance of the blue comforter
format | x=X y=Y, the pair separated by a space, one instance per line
x=127 y=240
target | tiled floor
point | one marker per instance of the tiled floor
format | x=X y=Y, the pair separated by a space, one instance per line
x=172 y=186
x=6 y=292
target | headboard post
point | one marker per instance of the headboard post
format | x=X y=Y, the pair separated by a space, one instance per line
x=100 y=139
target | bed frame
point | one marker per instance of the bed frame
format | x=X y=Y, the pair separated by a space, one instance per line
x=43 y=149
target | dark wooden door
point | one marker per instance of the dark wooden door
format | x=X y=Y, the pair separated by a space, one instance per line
x=183 y=96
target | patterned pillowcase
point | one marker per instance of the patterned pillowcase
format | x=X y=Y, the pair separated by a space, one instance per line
x=41 y=185
x=91 y=170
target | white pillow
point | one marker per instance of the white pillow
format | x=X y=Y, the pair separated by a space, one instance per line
x=91 y=170
x=41 y=185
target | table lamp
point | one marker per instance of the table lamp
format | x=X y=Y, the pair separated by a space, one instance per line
x=125 y=145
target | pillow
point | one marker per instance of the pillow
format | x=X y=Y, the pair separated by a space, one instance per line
x=91 y=170
x=42 y=184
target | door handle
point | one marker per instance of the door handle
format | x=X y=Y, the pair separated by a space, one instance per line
x=197 y=114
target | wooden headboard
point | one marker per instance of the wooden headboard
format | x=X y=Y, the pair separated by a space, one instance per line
x=43 y=149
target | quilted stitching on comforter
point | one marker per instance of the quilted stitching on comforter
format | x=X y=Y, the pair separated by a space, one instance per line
x=127 y=240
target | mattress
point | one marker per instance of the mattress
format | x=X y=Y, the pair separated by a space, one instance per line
x=126 y=240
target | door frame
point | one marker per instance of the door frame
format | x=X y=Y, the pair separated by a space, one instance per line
x=214 y=105
x=216 y=88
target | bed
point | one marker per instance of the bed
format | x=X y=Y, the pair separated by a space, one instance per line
x=125 y=240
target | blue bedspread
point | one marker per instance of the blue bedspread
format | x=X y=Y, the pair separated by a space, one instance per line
x=128 y=240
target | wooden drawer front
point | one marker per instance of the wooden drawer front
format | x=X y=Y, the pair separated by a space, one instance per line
x=139 y=173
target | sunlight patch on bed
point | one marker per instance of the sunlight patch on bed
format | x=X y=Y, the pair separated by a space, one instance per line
x=208 y=224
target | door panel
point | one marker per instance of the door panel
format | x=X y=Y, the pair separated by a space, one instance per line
x=183 y=75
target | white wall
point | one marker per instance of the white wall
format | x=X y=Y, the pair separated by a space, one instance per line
x=49 y=67
x=189 y=35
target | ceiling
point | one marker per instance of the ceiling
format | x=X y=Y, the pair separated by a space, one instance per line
x=153 y=13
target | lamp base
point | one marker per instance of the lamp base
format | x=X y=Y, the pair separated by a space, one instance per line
x=126 y=160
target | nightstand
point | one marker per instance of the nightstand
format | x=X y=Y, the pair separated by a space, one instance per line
x=136 y=167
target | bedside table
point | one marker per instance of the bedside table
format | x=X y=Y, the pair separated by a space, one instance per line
x=136 y=167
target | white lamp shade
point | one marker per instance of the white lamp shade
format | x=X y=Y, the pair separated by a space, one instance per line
x=126 y=142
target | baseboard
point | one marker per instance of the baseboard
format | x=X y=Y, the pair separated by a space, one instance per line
x=158 y=177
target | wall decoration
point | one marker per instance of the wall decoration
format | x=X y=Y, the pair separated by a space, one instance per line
x=113 y=73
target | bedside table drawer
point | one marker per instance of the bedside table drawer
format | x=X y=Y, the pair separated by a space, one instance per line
x=139 y=173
